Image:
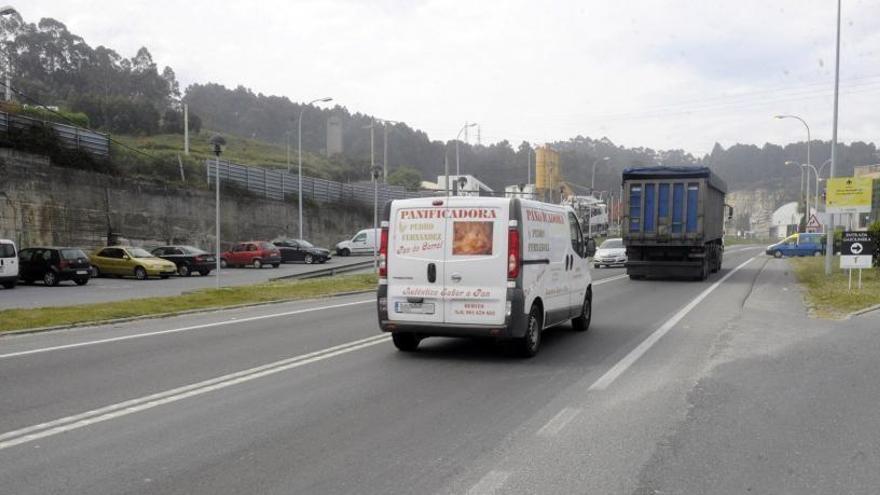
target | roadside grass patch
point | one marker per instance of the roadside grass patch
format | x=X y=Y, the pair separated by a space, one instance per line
x=830 y=298
x=21 y=319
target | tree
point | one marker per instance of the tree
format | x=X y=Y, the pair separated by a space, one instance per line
x=407 y=177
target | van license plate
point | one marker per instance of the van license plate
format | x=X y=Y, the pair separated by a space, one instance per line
x=81 y=272
x=414 y=308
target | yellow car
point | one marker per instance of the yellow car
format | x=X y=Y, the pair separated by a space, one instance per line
x=123 y=261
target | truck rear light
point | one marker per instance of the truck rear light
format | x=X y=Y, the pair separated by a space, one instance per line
x=514 y=256
x=383 y=253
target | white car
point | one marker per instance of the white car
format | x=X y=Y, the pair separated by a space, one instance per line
x=362 y=243
x=8 y=264
x=610 y=253
x=469 y=266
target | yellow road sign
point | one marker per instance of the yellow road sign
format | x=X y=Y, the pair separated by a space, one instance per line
x=848 y=195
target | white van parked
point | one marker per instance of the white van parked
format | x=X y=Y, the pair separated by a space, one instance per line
x=362 y=243
x=8 y=264
x=481 y=267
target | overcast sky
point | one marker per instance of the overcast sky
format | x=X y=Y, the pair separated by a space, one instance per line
x=661 y=74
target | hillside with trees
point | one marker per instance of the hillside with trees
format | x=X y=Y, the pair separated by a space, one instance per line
x=133 y=97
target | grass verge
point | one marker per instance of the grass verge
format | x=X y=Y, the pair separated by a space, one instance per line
x=21 y=319
x=830 y=297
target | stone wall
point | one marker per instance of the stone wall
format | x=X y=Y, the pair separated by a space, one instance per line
x=753 y=209
x=41 y=204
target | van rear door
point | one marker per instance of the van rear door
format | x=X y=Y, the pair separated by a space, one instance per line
x=416 y=258
x=476 y=261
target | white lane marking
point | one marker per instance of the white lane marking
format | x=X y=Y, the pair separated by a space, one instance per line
x=490 y=483
x=618 y=369
x=558 y=422
x=181 y=329
x=61 y=425
x=609 y=279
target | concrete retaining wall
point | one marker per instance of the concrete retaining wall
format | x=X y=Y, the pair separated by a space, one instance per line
x=41 y=204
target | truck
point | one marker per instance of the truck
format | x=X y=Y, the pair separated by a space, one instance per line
x=673 y=221
x=469 y=266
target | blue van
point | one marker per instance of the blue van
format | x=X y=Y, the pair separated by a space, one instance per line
x=800 y=244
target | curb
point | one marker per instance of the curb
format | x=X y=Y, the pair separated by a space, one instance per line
x=215 y=309
x=864 y=311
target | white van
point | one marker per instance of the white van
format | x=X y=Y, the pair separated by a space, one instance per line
x=362 y=243
x=8 y=264
x=481 y=267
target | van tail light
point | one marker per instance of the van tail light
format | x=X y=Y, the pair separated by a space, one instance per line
x=514 y=256
x=383 y=252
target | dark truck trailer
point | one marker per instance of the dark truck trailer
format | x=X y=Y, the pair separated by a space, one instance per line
x=673 y=221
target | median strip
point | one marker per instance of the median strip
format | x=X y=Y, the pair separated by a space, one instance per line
x=205 y=299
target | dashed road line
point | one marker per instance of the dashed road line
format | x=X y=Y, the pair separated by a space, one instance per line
x=558 y=422
x=489 y=484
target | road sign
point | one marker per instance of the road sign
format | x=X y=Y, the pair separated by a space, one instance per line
x=813 y=225
x=857 y=250
x=848 y=195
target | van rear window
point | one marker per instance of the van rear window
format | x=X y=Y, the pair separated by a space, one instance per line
x=7 y=251
x=472 y=238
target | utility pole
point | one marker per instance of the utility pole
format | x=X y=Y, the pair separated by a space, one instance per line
x=186 y=129
x=529 y=164
x=829 y=234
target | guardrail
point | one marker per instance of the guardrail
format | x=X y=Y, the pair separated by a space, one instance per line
x=275 y=184
x=71 y=136
x=327 y=272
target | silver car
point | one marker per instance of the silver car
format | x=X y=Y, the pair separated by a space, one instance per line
x=610 y=253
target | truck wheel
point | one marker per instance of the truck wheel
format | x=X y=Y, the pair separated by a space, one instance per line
x=344 y=252
x=582 y=322
x=777 y=254
x=530 y=343
x=406 y=342
x=704 y=269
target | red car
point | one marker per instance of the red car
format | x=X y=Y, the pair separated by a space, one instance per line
x=256 y=253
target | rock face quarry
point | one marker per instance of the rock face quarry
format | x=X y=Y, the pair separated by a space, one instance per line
x=42 y=204
x=753 y=210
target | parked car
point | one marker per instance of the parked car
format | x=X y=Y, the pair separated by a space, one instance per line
x=362 y=243
x=8 y=264
x=254 y=253
x=801 y=244
x=124 y=261
x=188 y=259
x=54 y=265
x=301 y=250
x=611 y=252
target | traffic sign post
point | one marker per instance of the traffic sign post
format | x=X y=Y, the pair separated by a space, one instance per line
x=814 y=225
x=857 y=252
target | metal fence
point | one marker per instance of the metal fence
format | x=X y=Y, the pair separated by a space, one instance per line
x=275 y=184
x=71 y=136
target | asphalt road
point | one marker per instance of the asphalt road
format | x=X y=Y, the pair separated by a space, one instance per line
x=679 y=387
x=115 y=289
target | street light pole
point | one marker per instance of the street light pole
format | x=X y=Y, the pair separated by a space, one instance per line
x=593 y=177
x=217 y=143
x=803 y=198
x=816 y=195
x=829 y=235
x=457 y=163
x=376 y=171
x=299 y=134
